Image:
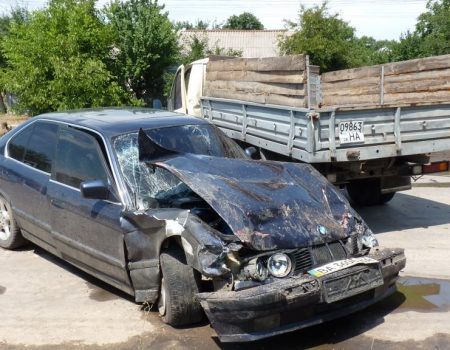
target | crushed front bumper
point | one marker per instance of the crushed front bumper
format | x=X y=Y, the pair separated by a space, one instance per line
x=301 y=301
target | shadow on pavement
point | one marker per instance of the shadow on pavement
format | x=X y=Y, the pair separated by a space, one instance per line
x=99 y=290
x=405 y=211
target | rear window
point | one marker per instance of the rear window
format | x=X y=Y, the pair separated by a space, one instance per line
x=35 y=146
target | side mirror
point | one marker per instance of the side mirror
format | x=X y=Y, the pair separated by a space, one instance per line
x=251 y=152
x=95 y=189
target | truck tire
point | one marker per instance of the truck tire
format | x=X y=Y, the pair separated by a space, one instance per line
x=179 y=284
x=367 y=192
x=10 y=236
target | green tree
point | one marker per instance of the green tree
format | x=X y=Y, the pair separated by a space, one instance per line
x=244 y=21
x=327 y=39
x=198 y=48
x=199 y=24
x=431 y=36
x=145 y=43
x=55 y=59
x=368 y=51
x=409 y=46
x=18 y=15
x=433 y=27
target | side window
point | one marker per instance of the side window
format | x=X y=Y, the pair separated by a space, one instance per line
x=79 y=158
x=35 y=146
x=18 y=144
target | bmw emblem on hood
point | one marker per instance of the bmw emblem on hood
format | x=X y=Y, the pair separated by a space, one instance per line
x=322 y=230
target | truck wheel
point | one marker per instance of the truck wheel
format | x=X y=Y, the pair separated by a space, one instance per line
x=386 y=197
x=367 y=192
x=179 y=284
x=10 y=236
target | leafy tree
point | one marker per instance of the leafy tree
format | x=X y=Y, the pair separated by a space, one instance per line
x=55 y=59
x=327 y=39
x=431 y=35
x=368 y=51
x=145 y=43
x=409 y=46
x=18 y=15
x=433 y=27
x=199 y=48
x=244 y=21
x=200 y=24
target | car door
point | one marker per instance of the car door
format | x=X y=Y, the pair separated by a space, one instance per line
x=87 y=231
x=27 y=168
x=177 y=99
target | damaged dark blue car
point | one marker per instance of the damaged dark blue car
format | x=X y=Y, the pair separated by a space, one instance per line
x=168 y=209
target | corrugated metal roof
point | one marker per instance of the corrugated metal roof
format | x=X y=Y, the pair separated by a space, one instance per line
x=252 y=43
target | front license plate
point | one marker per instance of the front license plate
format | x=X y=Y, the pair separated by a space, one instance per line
x=351 y=131
x=352 y=284
x=340 y=265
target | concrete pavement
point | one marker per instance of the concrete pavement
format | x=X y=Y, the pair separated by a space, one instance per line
x=47 y=304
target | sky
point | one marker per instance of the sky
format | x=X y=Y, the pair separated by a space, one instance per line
x=381 y=19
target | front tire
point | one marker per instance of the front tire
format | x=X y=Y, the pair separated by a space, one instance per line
x=10 y=236
x=367 y=192
x=179 y=284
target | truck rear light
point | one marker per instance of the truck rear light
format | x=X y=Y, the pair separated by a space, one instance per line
x=435 y=167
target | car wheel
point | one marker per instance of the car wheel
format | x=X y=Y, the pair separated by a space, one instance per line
x=179 y=284
x=367 y=192
x=10 y=236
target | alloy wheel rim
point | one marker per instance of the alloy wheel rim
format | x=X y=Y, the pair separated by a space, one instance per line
x=5 y=221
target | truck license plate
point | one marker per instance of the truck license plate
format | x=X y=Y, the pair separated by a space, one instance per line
x=351 y=131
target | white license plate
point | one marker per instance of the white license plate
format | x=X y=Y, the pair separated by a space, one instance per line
x=351 y=131
x=340 y=265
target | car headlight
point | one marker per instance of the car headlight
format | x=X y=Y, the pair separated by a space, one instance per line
x=255 y=269
x=261 y=270
x=279 y=265
x=368 y=239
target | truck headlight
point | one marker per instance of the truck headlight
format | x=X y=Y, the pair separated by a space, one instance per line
x=279 y=265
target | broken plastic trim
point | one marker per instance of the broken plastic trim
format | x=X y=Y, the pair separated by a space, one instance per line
x=206 y=249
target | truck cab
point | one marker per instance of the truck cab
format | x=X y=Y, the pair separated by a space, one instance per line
x=187 y=88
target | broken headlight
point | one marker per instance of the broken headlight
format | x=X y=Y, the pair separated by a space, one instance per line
x=256 y=270
x=368 y=239
x=279 y=265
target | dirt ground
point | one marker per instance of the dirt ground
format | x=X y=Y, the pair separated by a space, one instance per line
x=10 y=121
x=45 y=303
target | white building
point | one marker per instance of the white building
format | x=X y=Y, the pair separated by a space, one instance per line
x=252 y=43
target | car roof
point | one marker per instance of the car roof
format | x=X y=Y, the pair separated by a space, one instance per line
x=111 y=122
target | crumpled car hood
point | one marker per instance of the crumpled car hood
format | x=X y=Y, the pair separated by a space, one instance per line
x=268 y=205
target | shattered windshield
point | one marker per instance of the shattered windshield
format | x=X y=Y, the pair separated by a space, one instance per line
x=198 y=139
x=155 y=187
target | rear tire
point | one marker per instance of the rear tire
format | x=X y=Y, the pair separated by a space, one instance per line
x=179 y=284
x=10 y=236
x=367 y=192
